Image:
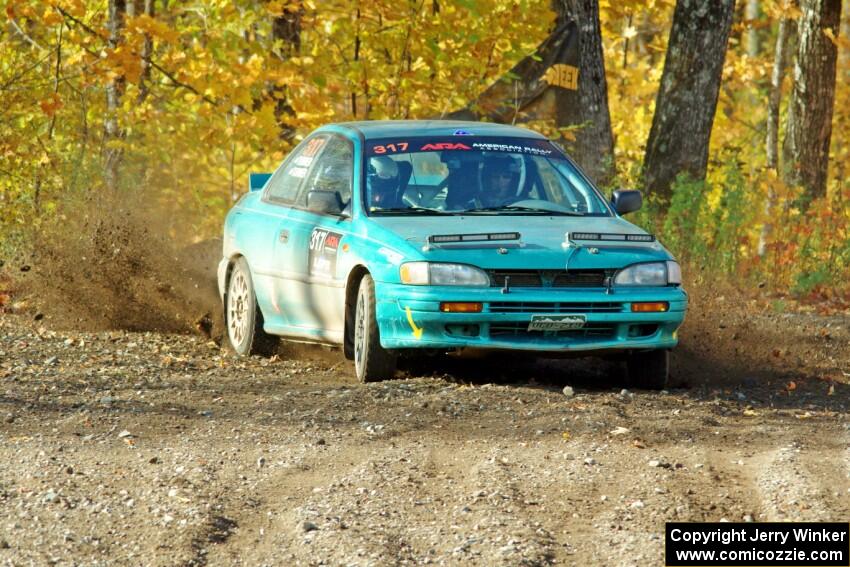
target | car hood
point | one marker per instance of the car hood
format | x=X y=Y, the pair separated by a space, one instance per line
x=541 y=244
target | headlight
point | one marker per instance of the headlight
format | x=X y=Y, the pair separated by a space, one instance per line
x=432 y=273
x=650 y=274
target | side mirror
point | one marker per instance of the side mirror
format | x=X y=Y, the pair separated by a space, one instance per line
x=257 y=181
x=626 y=201
x=326 y=202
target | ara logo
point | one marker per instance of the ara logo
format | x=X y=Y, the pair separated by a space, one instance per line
x=445 y=146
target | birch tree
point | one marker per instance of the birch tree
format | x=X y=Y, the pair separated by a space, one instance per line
x=117 y=10
x=809 y=123
x=784 y=37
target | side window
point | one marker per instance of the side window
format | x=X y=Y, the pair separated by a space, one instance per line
x=285 y=183
x=333 y=172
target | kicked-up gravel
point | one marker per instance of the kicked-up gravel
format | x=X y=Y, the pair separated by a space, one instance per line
x=121 y=448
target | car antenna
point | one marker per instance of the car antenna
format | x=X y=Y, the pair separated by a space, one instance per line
x=507 y=286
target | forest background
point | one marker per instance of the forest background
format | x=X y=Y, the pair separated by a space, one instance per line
x=165 y=106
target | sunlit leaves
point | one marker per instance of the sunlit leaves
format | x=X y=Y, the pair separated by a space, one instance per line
x=205 y=113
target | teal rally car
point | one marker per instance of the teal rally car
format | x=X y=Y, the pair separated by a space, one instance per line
x=383 y=237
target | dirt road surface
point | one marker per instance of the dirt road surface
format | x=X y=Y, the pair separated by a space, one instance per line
x=121 y=448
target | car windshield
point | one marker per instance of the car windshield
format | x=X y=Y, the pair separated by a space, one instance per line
x=475 y=175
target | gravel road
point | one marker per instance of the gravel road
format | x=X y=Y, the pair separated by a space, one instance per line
x=121 y=448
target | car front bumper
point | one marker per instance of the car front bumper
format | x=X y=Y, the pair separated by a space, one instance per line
x=410 y=317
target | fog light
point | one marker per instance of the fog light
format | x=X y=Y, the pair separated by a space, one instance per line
x=461 y=307
x=650 y=307
x=639 y=331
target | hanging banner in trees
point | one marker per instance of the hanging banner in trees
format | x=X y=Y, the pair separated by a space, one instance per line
x=536 y=86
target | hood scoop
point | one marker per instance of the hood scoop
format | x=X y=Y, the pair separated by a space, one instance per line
x=608 y=237
x=474 y=240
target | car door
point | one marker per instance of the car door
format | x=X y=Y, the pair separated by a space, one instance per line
x=280 y=195
x=317 y=240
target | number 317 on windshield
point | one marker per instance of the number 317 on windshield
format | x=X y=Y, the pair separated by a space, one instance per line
x=391 y=148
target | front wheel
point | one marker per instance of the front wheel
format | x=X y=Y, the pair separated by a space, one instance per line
x=242 y=314
x=372 y=362
x=650 y=369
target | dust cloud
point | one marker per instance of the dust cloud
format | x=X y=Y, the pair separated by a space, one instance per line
x=121 y=263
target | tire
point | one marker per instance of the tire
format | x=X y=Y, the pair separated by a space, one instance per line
x=649 y=370
x=372 y=362
x=242 y=315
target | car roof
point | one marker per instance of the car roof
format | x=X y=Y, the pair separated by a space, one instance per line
x=371 y=129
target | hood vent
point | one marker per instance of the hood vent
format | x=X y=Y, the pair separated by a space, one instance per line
x=472 y=238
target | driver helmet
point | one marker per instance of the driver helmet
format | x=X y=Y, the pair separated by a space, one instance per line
x=382 y=177
x=500 y=176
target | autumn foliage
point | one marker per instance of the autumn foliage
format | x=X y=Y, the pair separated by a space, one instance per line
x=209 y=93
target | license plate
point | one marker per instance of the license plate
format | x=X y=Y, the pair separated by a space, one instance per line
x=556 y=322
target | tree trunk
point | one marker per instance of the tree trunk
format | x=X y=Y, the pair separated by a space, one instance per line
x=687 y=99
x=780 y=57
x=114 y=90
x=147 y=51
x=564 y=80
x=844 y=63
x=593 y=147
x=287 y=29
x=809 y=124
x=751 y=13
x=841 y=167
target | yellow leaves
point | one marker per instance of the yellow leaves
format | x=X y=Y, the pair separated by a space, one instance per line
x=75 y=58
x=264 y=122
x=280 y=7
x=153 y=27
x=630 y=32
x=419 y=65
x=76 y=8
x=783 y=9
x=51 y=104
x=52 y=17
x=503 y=44
x=123 y=61
x=242 y=98
x=839 y=41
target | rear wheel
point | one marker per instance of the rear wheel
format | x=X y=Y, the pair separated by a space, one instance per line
x=650 y=369
x=242 y=314
x=372 y=362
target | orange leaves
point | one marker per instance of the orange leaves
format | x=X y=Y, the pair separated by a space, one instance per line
x=156 y=29
x=51 y=104
x=123 y=61
x=280 y=7
x=51 y=17
x=782 y=9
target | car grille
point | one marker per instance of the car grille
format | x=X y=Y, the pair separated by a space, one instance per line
x=550 y=278
x=581 y=278
x=520 y=329
x=551 y=307
x=519 y=278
